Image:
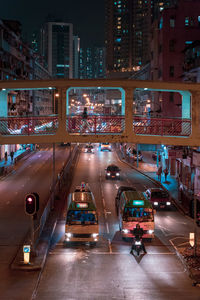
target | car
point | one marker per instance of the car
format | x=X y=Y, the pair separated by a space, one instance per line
x=119 y=191
x=133 y=154
x=112 y=172
x=128 y=150
x=89 y=148
x=159 y=198
x=65 y=144
x=154 y=156
x=105 y=147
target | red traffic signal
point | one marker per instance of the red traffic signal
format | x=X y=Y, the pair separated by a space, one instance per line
x=31 y=203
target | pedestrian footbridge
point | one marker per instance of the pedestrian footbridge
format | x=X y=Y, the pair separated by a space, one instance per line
x=119 y=125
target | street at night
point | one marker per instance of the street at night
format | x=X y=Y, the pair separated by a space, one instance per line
x=107 y=270
x=100 y=150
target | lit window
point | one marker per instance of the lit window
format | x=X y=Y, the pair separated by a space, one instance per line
x=186 y=21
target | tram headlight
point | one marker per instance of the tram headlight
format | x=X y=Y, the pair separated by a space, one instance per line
x=117 y=174
x=108 y=174
x=155 y=203
x=168 y=203
x=150 y=231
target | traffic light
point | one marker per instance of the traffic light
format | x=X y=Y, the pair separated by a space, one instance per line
x=31 y=203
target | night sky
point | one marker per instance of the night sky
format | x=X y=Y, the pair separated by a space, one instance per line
x=87 y=16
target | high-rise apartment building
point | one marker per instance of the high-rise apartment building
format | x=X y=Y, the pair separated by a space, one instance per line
x=128 y=24
x=76 y=56
x=92 y=63
x=57 y=48
x=177 y=27
x=99 y=62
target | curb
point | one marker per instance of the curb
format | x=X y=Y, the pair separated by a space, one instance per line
x=189 y=272
x=38 y=262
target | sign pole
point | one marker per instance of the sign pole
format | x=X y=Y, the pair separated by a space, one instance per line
x=32 y=233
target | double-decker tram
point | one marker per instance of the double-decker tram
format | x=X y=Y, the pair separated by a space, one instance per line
x=135 y=208
x=82 y=219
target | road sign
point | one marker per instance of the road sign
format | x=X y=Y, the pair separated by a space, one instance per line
x=26 y=250
x=192 y=239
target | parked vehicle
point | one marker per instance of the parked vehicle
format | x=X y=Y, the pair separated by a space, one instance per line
x=154 y=156
x=133 y=154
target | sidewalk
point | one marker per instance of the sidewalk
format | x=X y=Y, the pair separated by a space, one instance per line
x=185 y=253
x=7 y=166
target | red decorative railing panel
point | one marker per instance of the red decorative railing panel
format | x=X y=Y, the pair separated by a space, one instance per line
x=162 y=127
x=95 y=124
x=28 y=125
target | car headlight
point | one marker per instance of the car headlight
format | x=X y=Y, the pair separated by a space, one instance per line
x=150 y=231
x=117 y=174
x=168 y=203
x=155 y=203
x=68 y=234
x=125 y=231
x=108 y=174
x=94 y=235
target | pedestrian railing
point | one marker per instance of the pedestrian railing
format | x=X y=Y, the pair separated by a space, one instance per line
x=41 y=125
x=95 y=124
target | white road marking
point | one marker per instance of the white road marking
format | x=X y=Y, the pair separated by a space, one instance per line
x=110 y=247
x=58 y=252
x=107 y=228
x=183 y=243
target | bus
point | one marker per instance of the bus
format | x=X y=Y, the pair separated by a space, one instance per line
x=134 y=208
x=82 y=219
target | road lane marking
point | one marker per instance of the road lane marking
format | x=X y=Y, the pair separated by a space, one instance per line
x=107 y=228
x=110 y=247
x=59 y=252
